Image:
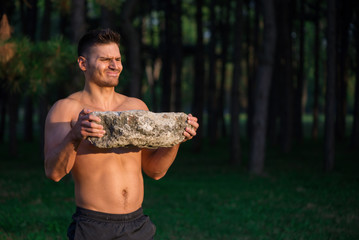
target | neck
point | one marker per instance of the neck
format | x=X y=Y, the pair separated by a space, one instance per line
x=100 y=98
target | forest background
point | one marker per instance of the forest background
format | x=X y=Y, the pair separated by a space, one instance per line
x=275 y=64
x=259 y=75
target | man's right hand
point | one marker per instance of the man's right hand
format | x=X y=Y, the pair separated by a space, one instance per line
x=87 y=126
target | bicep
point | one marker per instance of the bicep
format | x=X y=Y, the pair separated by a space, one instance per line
x=57 y=126
x=55 y=132
x=146 y=154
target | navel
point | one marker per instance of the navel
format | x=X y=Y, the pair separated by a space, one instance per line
x=125 y=196
x=124 y=193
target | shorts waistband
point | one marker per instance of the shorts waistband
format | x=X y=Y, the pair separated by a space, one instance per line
x=109 y=216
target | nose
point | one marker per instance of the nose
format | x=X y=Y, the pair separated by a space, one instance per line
x=114 y=64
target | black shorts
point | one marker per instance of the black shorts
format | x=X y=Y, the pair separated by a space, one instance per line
x=88 y=225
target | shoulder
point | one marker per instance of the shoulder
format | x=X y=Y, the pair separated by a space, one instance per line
x=66 y=108
x=132 y=103
x=140 y=105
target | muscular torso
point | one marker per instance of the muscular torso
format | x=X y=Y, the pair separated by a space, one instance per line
x=107 y=180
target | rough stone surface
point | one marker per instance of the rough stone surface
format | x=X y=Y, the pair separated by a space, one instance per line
x=140 y=128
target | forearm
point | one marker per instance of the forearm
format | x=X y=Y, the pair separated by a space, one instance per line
x=60 y=160
x=155 y=163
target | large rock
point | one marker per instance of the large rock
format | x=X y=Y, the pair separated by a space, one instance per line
x=140 y=128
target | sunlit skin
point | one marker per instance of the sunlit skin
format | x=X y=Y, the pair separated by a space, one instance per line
x=106 y=180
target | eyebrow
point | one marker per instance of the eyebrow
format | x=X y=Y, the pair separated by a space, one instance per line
x=109 y=58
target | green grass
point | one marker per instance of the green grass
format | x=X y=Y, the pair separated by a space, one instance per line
x=201 y=197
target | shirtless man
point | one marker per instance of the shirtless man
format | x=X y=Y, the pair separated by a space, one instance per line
x=108 y=182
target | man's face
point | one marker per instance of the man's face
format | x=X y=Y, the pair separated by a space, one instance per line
x=103 y=65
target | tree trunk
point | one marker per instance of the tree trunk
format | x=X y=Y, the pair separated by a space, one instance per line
x=315 y=126
x=22 y=16
x=46 y=21
x=274 y=104
x=252 y=43
x=30 y=19
x=285 y=71
x=330 y=89
x=212 y=89
x=28 y=119
x=43 y=110
x=133 y=44
x=177 y=52
x=167 y=58
x=65 y=24
x=224 y=28
x=3 y=106
x=235 y=104
x=198 y=94
x=298 y=126
x=78 y=20
x=355 y=130
x=30 y=31
x=277 y=94
x=13 y=121
x=343 y=22
x=107 y=18
x=264 y=75
x=153 y=63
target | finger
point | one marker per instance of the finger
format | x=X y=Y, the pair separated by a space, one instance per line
x=93 y=130
x=190 y=117
x=193 y=124
x=193 y=121
x=89 y=124
x=187 y=136
x=88 y=117
x=94 y=118
x=87 y=111
x=84 y=112
x=192 y=132
x=86 y=132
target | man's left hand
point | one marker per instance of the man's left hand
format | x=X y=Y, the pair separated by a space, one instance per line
x=191 y=132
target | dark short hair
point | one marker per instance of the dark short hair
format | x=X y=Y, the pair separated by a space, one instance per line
x=98 y=36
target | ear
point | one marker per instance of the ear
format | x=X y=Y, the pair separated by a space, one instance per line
x=82 y=63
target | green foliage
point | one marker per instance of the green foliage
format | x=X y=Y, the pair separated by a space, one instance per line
x=40 y=68
x=51 y=65
x=14 y=69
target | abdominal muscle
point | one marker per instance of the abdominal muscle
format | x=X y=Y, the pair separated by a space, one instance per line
x=108 y=180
